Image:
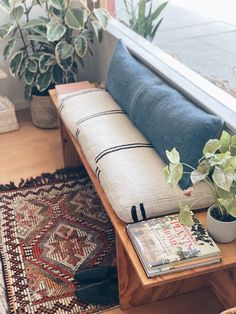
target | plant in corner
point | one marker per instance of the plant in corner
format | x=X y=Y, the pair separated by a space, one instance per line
x=217 y=167
x=142 y=19
x=49 y=49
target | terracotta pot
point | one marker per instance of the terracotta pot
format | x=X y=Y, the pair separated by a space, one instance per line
x=43 y=112
x=223 y=232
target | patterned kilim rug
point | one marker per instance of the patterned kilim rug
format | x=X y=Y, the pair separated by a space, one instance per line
x=50 y=227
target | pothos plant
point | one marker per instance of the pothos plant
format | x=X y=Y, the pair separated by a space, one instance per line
x=47 y=50
x=217 y=167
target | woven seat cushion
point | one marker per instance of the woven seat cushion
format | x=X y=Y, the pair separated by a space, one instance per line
x=127 y=166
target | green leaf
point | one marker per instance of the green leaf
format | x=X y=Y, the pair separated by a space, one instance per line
x=197 y=177
x=34 y=23
x=38 y=38
x=233 y=163
x=8 y=49
x=15 y=63
x=81 y=45
x=29 y=77
x=96 y=29
x=102 y=16
x=229 y=205
x=45 y=61
x=55 y=31
x=185 y=216
x=27 y=91
x=223 y=179
x=222 y=193
x=71 y=77
x=63 y=50
x=233 y=145
x=65 y=64
x=57 y=4
x=43 y=81
x=5 y=5
x=57 y=74
x=211 y=147
x=32 y=65
x=6 y=29
x=17 y=13
x=173 y=173
x=158 y=11
x=74 y=18
x=173 y=156
x=225 y=140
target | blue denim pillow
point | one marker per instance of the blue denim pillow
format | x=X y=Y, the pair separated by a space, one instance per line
x=162 y=114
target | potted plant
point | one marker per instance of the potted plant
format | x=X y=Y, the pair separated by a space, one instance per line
x=217 y=167
x=52 y=46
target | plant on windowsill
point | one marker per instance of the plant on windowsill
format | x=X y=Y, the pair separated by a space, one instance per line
x=51 y=47
x=217 y=167
x=142 y=19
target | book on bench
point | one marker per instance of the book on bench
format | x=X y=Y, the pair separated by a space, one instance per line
x=165 y=246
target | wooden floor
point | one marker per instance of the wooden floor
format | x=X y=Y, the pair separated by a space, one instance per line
x=30 y=151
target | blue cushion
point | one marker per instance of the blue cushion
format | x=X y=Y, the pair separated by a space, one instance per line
x=162 y=114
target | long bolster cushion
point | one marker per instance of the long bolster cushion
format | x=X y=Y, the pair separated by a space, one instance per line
x=127 y=166
x=162 y=114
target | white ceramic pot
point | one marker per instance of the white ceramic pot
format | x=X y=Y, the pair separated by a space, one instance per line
x=223 y=232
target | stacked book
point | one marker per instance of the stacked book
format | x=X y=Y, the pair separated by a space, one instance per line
x=165 y=246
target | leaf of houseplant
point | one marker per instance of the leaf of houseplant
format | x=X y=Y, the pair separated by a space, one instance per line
x=211 y=147
x=17 y=13
x=5 y=30
x=96 y=29
x=229 y=205
x=173 y=155
x=71 y=77
x=43 y=81
x=158 y=11
x=225 y=140
x=57 y=74
x=32 y=65
x=34 y=23
x=57 y=4
x=63 y=50
x=45 y=61
x=102 y=17
x=5 y=5
x=66 y=64
x=55 y=31
x=173 y=173
x=38 y=38
x=8 y=49
x=223 y=179
x=15 y=63
x=222 y=193
x=74 y=18
x=197 y=177
x=185 y=216
x=233 y=145
x=29 y=77
x=81 y=45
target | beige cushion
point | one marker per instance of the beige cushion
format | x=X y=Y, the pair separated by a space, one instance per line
x=127 y=166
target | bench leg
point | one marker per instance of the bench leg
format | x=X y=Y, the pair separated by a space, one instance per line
x=131 y=291
x=223 y=284
x=70 y=155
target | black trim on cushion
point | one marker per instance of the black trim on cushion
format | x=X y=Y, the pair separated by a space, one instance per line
x=121 y=147
x=134 y=214
x=143 y=211
x=99 y=114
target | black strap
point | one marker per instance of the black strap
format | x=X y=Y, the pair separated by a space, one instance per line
x=143 y=211
x=134 y=214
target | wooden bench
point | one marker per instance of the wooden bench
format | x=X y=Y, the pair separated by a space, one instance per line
x=135 y=288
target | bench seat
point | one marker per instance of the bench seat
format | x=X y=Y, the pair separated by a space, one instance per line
x=128 y=167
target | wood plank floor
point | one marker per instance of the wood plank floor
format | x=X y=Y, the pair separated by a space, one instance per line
x=30 y=151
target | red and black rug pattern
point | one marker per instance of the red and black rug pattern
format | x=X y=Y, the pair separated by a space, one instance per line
x=47 y=233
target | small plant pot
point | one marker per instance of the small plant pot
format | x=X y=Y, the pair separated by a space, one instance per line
x=221 y=231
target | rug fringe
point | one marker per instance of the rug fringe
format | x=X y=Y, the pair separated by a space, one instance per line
x=60 y=175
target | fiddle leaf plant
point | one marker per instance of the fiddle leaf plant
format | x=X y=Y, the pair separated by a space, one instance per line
x=217 y=167
x=52 y=46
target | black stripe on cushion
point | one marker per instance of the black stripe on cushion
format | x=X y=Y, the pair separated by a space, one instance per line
x=134 y=214
x=143 y=211
x=103 y=113
x=121 y=147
